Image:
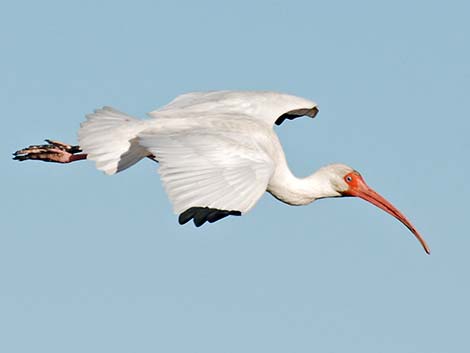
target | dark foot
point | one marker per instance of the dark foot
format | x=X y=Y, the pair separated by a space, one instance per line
x=54 y=151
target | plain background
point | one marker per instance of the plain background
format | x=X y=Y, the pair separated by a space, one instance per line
x=91 y=263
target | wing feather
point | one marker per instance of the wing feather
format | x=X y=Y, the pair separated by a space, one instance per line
x=215 y=168
x=269 y=107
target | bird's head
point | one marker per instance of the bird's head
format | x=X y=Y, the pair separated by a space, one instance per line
x=345 y=181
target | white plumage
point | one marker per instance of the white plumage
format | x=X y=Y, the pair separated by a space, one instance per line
x=216 y=149
x=110 y=139
x=212 y=164
x=258 y=105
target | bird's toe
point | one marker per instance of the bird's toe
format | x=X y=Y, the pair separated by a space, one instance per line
x=54 y=151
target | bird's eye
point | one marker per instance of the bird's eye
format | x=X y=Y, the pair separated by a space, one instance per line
x=348 y=179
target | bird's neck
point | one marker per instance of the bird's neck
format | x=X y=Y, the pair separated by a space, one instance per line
x=299 y=191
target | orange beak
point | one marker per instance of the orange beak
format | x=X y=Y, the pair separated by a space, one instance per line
x=359 y=188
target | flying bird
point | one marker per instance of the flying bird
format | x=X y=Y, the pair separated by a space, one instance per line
x=217 y=152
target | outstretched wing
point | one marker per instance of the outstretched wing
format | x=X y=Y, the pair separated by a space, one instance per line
x=209 y=170
x=270 y=107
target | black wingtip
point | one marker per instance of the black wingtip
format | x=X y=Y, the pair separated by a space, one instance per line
x=201 y=215
x=293 y=114
x=186 y=216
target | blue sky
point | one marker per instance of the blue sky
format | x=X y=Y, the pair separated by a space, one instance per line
x=96 y=263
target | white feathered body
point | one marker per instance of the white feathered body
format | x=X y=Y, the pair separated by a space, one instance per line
x=215 y=149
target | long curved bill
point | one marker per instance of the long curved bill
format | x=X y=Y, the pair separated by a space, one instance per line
x=363 y=191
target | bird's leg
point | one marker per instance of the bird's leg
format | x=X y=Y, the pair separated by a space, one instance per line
x=56 y=152
x=53 y=151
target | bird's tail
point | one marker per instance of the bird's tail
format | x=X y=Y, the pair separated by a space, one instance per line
x=109 y=138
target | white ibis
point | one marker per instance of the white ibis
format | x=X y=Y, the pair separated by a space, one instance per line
x=218 y=154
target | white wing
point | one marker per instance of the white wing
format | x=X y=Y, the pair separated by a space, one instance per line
x=214 y=165
x=270 y=107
